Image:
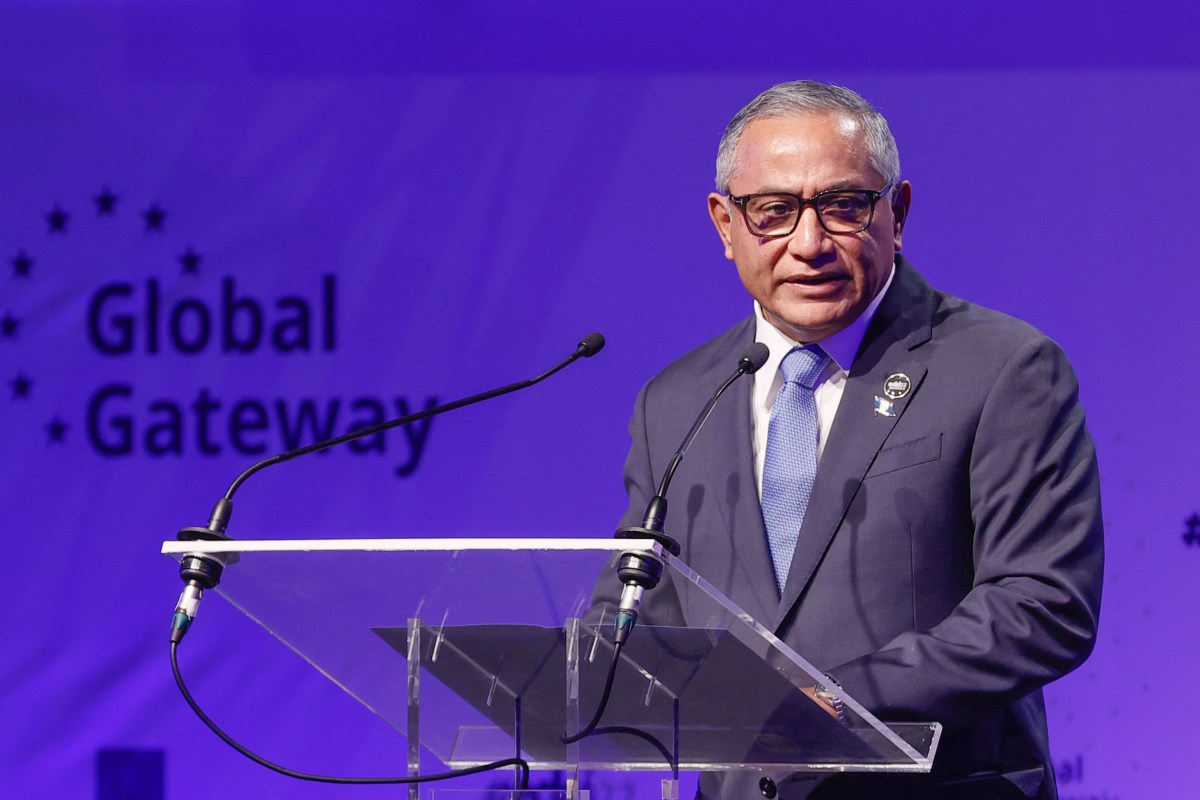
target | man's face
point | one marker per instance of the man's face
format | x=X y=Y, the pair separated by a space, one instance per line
x=810 y=284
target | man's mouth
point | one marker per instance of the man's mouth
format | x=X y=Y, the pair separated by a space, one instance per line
x=815 y=280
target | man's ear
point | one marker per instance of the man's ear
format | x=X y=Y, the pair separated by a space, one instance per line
x=719 y=210
x=901 y=201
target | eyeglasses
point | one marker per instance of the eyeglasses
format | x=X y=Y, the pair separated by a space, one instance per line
x=774 y=214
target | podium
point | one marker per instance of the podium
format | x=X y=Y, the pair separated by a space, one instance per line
x=478 y=650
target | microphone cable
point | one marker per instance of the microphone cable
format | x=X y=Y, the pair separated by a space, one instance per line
x=521 y=764
x=593 y=729
x=590 y=728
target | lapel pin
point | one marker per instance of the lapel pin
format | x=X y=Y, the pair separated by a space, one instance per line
x=896 y=386
x=884 y=407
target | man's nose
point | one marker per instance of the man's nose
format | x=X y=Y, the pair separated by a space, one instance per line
x=809 y=239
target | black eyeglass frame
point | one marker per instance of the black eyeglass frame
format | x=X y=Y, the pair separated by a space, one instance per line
x=872 y=195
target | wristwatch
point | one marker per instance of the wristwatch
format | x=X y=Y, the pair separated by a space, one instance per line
x=833 y=701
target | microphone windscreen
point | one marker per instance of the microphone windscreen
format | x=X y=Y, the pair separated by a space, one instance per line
x=754 y=357
x=591 y=344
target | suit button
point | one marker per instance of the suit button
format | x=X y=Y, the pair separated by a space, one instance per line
x=767 y=787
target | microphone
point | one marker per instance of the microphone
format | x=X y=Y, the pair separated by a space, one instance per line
x=640 y=571
x=201 y=571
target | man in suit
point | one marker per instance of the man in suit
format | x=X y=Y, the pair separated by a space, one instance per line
x=940 y=557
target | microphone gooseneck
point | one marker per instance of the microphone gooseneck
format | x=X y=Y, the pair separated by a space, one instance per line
x=589 y=346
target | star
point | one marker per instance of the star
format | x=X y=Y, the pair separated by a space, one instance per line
x=8 y=326
x=57 y=430
x=154 y=217
x=106 y=203
x=57 y=219
x=21 y=386
x=190 y=260
x=1192 y=536
x=21 y=264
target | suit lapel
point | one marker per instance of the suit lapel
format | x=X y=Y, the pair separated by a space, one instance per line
x=902 y=323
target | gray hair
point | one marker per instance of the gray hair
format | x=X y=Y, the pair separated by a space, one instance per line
x=797 y=98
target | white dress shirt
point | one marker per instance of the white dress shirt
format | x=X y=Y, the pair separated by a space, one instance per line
x=841 y=348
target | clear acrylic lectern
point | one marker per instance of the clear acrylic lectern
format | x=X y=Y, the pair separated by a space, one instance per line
x=478 y=650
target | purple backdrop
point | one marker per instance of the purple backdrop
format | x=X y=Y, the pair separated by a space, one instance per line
x=420 y=202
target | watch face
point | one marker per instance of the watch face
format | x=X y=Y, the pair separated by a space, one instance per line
x=832 y=701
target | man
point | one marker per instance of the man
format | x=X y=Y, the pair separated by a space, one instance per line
x=920 y=515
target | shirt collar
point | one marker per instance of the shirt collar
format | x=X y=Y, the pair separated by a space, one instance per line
x=841 y=346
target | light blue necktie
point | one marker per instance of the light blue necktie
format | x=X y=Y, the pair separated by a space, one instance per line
x=791 y=461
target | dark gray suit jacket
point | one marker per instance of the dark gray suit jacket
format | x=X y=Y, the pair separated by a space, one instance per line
x=951 y=558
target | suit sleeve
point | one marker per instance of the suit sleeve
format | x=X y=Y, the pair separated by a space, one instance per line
x=1031 y=613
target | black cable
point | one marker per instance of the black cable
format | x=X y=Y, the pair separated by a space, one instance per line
x=608 y=685
x=305 y=776
x=591 y=730
x=645 y=737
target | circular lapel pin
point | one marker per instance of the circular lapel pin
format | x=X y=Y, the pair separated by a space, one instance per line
x=897 y=385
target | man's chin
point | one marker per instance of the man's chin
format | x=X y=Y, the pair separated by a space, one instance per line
x=809 y=327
